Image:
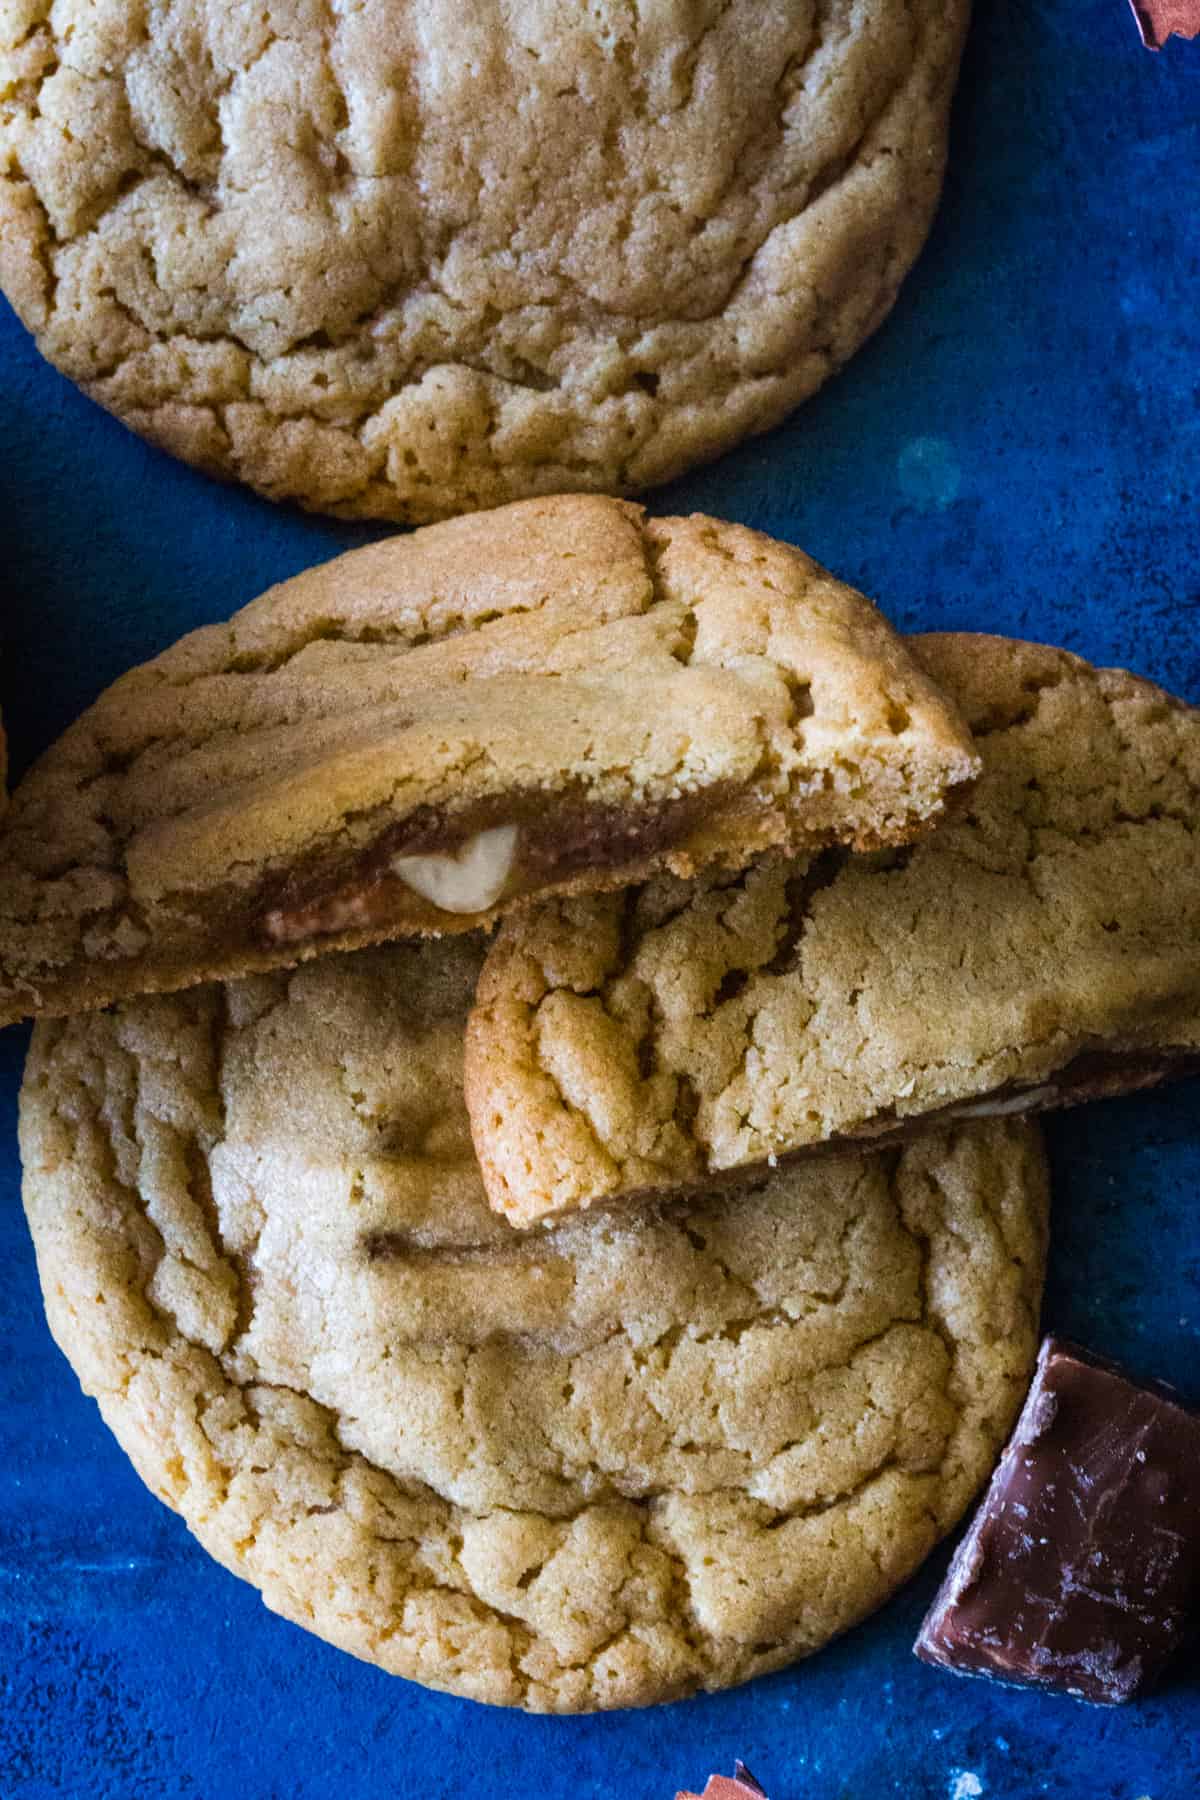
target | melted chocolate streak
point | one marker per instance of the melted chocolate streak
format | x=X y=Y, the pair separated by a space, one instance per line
x=558 y=838
x=1093 y=1075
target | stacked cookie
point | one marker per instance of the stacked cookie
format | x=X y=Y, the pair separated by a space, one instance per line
x=769 y=884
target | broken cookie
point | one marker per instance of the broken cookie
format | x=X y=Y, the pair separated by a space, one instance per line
x=1043 y=947
x=556 y=697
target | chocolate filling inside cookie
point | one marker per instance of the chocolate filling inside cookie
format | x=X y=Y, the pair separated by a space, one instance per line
x=428 y=865
x=1092 y=1075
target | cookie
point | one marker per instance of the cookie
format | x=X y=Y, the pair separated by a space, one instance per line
x=551 y=698
x=412 y=257
x=1043 y=947
x=596 y=1466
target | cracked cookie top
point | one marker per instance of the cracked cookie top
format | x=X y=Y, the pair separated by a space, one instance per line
x=412 y=257
x=598 y=1466
x=1042 y=946
x=415 y=737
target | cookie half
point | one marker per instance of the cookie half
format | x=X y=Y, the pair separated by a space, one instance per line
x=411 y=257
x=551 y=698
x=1043 y=947
x=597 y=1466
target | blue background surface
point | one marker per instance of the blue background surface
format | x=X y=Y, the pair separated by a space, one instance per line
x=1018 y=450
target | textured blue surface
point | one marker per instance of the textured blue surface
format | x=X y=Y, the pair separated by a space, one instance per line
x=1019 y=450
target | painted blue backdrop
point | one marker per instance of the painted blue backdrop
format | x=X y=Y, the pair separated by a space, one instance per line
x=1018 y=450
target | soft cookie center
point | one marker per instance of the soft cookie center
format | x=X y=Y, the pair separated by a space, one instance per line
x=467 y=880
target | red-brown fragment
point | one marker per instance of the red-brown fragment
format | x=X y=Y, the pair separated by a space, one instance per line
x=741 y=1785
x=1160 y=19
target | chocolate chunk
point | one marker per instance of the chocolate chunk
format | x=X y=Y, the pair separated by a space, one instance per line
x=740 y=1786
x=1081 y=1569
x=1160 y=19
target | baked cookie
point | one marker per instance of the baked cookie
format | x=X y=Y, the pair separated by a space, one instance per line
x=1042 y=947
x=411 y=257
x=547 y=699
x=591 y=1467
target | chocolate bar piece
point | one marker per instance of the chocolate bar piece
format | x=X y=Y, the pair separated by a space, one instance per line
x=740 y=1786
x=1081 y=1570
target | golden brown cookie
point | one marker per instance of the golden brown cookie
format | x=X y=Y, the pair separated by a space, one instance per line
x=597 y=1466
x=411 y=257
x=551 y=698
x=1042 y=947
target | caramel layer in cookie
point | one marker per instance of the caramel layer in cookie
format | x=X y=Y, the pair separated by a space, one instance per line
x=1042 y=947
x=424 y=868
x=555 y=698
x=597 y=1466
x=1094 y=1075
